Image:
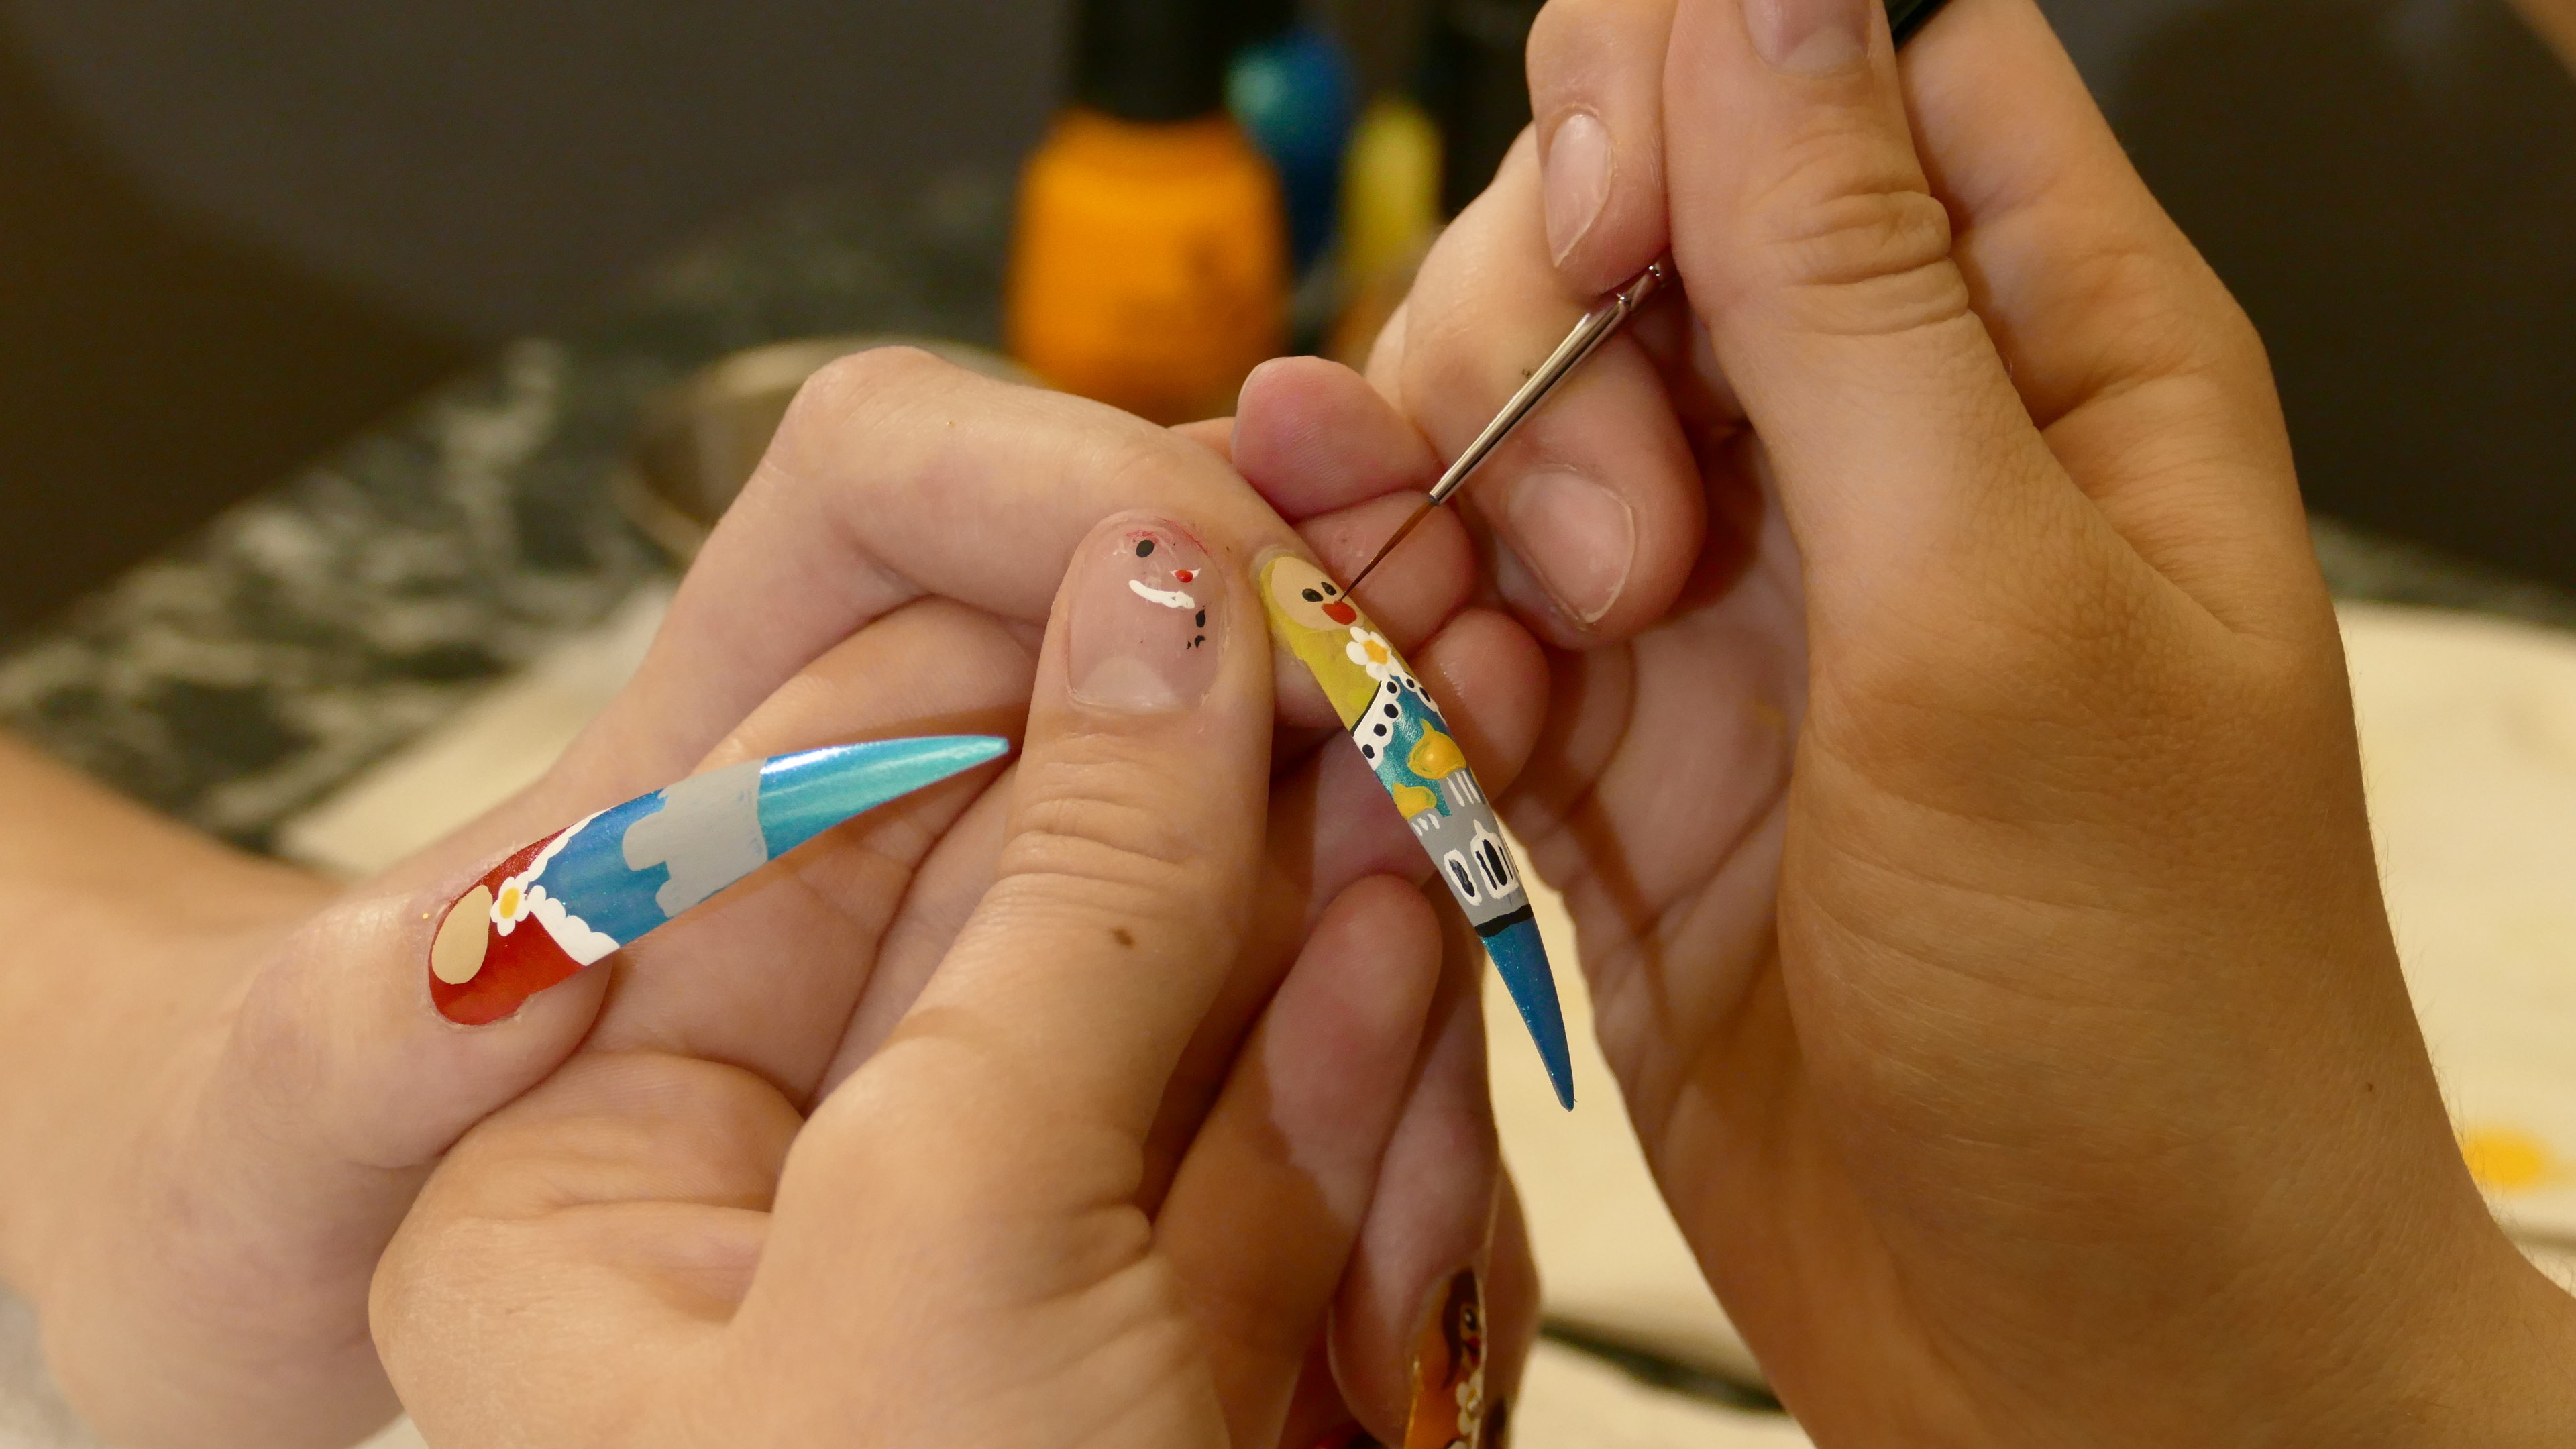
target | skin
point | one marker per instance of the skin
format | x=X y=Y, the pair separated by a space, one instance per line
x=266 y=1086
x=1966 y=837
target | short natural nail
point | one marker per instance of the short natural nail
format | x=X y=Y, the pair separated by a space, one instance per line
x=1810 y=37
x=1578 y=180
x=1578 y=536
x=1449 y=1367
x=1145 y=629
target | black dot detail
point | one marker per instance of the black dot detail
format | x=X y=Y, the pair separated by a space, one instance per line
x=1368 y=752
x=1202 y=639
x=1393 y=712
x=1201 y=620
x=1381 y=730
x=1311 y=596
x=1145 y=549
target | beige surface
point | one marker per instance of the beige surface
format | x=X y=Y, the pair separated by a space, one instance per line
x=2469 y=729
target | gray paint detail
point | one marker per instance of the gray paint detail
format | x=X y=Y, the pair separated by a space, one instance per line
x=707 y=832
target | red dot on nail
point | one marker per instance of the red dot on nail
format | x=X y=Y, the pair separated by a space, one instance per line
x=1184 y=575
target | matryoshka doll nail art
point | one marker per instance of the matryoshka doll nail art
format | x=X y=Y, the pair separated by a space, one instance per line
x=564 y=902
x=1448 y=1409
x=1401 y=735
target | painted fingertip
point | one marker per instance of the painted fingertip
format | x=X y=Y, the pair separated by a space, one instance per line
x=1448 y=1410
x=1520 y=957
x=564 y=902
x=1401 y=735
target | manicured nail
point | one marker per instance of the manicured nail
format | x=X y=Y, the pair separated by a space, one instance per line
x=1577 y=536
x=562 y=903
x=1145 y=632
x=1415 y=755
x=1578 y=180
x=1449 y=1368
x=1810 y=37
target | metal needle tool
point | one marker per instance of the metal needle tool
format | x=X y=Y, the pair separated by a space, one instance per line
x=1597 y=327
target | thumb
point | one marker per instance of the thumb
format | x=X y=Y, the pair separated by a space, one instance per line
x=1819 y=260
x=1123 y=889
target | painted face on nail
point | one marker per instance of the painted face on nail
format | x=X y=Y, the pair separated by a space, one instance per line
x=1166 y=579
x=1309 y=597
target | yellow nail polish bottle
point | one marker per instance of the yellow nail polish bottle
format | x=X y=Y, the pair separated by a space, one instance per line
x=1149 y=266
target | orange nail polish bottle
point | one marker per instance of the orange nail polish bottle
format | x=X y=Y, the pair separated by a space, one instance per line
x=1149 y=267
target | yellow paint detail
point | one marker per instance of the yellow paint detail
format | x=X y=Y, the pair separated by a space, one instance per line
x=510 y=902
x=1435 y=756
x=1319 y=643
x=2506 y=1159
x=456 y=957
x=1412 y=800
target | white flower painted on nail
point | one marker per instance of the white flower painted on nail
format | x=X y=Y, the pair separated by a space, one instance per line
x=1369 y=650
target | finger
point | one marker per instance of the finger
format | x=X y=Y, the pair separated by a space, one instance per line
x=1596 y=76
x=2146 y=377
x=1395 y=1316
x=1596 y=499
x=1260 y=1221
x=1043 y=1047
x=767 y=974
x=568 y=1270
x=1820 y=263
x=895 y=476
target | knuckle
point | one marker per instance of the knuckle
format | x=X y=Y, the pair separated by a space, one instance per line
x=1854 y=245
x=1092 y=816
x=850 y=392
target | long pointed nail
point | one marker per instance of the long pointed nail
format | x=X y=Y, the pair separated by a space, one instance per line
x=561 y=903
x=1415 y=755
x=1449 y=1367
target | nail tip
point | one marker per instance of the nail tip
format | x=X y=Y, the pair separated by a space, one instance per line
x=1520 y=958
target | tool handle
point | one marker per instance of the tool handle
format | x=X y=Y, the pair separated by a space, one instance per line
x=1596 y=328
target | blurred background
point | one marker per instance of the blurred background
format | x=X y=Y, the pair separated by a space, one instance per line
x=232 y=234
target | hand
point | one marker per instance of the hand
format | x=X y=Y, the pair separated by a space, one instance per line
x=199 y=1237
x=1965 y=831
x=965 y=1244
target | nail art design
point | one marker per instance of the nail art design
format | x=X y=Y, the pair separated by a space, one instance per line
x=564 y=902
x=1449 y=1369
x=1402 y=736
x=1143 y=636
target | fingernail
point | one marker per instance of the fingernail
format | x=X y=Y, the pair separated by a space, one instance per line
x=564 y=902
x=1449 y=1368
x=1578 y=179
x=1810 y=37
x=1145 y=632
x=1578 y=537
x=1414 y=753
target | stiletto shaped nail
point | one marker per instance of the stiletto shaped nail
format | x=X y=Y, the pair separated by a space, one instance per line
x=1402 y=736
x=1449 y=1368
x=564 y=902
